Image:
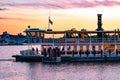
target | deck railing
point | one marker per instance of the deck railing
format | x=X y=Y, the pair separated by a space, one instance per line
x=73 y=40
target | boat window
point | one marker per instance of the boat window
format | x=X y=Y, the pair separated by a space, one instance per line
x=37 y=34
x=28 y=34
x=32 y=33
x=41 y=34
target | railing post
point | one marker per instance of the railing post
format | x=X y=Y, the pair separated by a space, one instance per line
x=78 y=47
x=65 y=44
x=90 y=44
x=103 y=43
x=28 y=43
x=53 y=41
x=115 y=41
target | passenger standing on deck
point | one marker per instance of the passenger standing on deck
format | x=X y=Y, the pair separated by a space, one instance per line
x=101 y=52
x=50 y=52
x=33 y=51
x=36 y=50
x=94 y=52
x=44 y=52
x=80 y=53
x=116 y=52
x=59 y=52
x=63 y=51
x=109 y=52
x=73 y=52
x=53 y=54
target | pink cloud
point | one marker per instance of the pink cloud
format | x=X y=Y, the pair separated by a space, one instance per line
x=60 y=4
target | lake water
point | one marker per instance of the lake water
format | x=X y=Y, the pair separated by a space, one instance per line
x=11 y=70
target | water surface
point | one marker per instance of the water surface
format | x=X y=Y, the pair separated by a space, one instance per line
x=11 y=70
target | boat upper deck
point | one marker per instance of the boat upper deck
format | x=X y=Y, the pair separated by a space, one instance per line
x=75 y=37
x=37 y=30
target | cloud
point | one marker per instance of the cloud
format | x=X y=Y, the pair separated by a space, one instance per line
x=2 y=9
x=60 y=4
x=8 y=18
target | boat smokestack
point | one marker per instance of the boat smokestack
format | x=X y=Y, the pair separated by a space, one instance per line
x=99 y=16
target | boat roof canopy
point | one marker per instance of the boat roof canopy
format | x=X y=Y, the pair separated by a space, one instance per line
x=34 y=30
x=67 y=31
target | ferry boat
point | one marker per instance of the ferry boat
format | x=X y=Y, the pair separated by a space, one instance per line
x=72 y=45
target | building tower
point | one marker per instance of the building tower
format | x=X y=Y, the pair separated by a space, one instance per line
x=99 y=23
x=99 y=34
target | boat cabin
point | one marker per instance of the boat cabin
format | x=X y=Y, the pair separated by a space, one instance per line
x=76 y=40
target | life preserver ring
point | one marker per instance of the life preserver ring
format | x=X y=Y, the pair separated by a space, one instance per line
x=35 y=40
x=7 y=38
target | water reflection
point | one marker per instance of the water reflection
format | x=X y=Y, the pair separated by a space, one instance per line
x=10 y=70
x=70 y=71
x=64 y=71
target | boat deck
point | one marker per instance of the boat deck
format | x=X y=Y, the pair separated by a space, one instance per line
x=70 y=58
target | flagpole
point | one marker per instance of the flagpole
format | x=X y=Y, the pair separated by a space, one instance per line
x=48 y=23
x=49 y=19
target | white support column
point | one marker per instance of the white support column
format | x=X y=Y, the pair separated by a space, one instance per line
x=90 y=48
x=90 y=45
x=78 y=49
x=53 y=44
x=96 y=48
x=65 y=50
x=40 y=49
x=102 y=47
x=84 y=48
x=102 y=42
x=78 y=46
x=71 y=48
x=115 y=49
x=28 y=44
x=115 y=41
x=65 y=44
x=61 y=47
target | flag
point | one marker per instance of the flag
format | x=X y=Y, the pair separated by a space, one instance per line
x=50 y=21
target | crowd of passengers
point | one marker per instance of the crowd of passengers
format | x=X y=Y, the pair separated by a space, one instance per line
x=55 y=52
x=51 y=52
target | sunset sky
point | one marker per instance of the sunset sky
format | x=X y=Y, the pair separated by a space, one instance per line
x=16 y=15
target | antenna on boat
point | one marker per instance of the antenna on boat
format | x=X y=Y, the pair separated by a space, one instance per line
x=49 y=21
